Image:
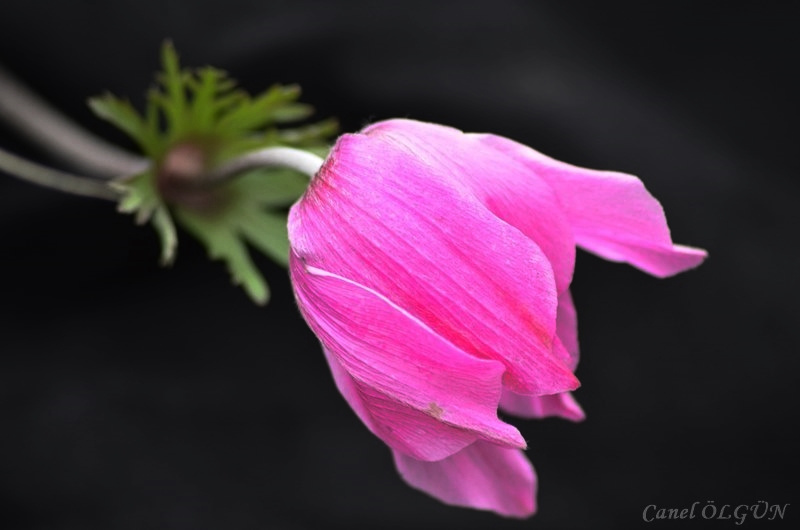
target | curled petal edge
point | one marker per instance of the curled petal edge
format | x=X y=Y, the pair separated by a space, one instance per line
x=417 y=392
x=612 y=214
x=482 y=476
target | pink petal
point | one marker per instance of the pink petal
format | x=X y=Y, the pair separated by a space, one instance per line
x=482 y=476
x=612 y=214
x=567 y=327
x=398 y=221
x=503 y=184
x=562 y=405
x=417 y=392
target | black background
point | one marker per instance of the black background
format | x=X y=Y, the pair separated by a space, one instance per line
x=136 y=397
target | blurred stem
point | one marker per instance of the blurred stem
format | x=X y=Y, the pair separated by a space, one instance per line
x=57 y=180
x=281 y=157
x=36 y=119
x=275 y=157
x=41 y=123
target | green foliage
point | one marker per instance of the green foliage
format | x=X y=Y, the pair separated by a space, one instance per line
x=141 y=199
x=204 y=108
x=244 y=216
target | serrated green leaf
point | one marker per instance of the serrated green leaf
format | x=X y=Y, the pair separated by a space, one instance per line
x=203 y=109
x=162 y=221
x=140 y=199
x=130 y=202
x=137 y=193
x=173 y=80
x=308 y=134
x=121 y=113
x=254 y=113
x=203 y=105
x=155 y=146
x=222 y=242
x=267 y=232
x=292 y=112
x=270 y=188
x=244 y=216
x=227 y=101
x=241 y=145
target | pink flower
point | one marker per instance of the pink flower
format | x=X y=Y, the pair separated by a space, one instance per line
x=434 y=266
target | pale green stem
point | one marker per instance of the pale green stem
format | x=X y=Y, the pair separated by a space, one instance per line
x=269 y=157
x=57 y=180
x=41 y=123
x=36 y=119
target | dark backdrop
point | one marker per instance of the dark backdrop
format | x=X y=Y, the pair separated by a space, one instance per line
x=135 y=397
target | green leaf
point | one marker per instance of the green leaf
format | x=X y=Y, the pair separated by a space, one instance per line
x=162 y=221
x=221 y=238
x=174 y=103
x=271 y=188
x=251 y=114
x=308 y=134
x=247 y=215
x=204 y=110
x=122 y=114
x=203 y=106
x=140 y=199
x=292 y=112
x=119 y=112
x=267 y=232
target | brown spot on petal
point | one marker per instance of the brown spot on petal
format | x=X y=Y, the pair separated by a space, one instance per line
x=435 y=410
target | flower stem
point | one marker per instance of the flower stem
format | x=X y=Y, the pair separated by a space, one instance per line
x=41 y=123
x=57 y=180
x=270 y=157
